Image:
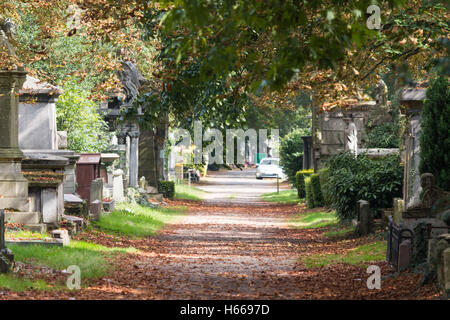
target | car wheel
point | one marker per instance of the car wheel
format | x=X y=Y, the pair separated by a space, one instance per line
x=259 y=178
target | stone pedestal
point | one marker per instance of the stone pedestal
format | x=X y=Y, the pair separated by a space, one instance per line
x=13 y=185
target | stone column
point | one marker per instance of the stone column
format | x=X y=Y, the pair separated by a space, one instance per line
x=134 y=156
x=13 y=185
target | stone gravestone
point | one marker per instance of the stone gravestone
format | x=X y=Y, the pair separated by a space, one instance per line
x=118 y=185
x=365 y=217
x=6 y=256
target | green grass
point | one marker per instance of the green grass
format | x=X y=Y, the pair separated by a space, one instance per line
x=284 y=197
x=339 y=232
x=90 y=257
x=137 y=221
x=184 y=192
x=14 y=283
x=25 y=234
x=314 y=220
x=360 y=256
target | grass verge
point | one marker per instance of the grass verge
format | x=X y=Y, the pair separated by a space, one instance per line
x=137 y=221
x=284 y=197
x=184 y=192
x=359 y=256
x=93 y=260
x=316 y=219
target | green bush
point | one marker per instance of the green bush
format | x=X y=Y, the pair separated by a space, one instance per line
x=375 y=180
x=300 y=181
x=324 y=175
x=291 y=153
x=167 y=188
x=435 y=137
x=308 y=192
x=316 y=190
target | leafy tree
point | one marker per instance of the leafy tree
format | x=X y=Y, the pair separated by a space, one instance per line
x=76 y=114
x=291 y=153
x=435 y=135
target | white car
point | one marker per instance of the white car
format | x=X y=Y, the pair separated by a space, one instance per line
x=269 y=168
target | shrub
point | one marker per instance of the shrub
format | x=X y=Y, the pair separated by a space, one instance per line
x=385 y=135
x=324 y=175
x=300 y=182
x=291 y=153
x=352 y=179
x=167 y=188
x=308 y=193
x=316 y=190
x=435 y=137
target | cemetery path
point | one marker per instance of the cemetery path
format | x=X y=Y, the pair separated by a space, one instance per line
x=237 y=250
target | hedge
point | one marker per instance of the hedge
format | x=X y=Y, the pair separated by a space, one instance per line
x=324 y=177
x=167 y=188
x=300 y=182
x=308 y=192
x=316 y=190
x=375 y=180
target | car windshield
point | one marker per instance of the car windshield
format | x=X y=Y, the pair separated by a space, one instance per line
x=267 y=162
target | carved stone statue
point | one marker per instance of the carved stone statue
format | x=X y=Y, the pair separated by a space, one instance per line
x=351 y=136
x=7 y=30
x=381 y=93
x=132 y=81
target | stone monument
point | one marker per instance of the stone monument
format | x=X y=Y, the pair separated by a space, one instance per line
x=351 y=136
x=6 y=256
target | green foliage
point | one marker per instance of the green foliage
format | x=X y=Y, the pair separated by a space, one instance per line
x=291 y=153
x=351 y=179
x=300 y=181
x=316 y=190
x=324 y=175
x=308 y=193
x=385 y=135
x=77 y=114
x=167 y=188
x=435 y=134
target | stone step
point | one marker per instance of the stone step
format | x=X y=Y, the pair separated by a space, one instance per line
x=26 y=218
x=21 y=204
x=38 y=227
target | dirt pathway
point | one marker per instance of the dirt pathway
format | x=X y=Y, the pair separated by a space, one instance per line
x=238 y=250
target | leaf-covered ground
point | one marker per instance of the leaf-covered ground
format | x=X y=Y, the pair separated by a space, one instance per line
x=235 y=252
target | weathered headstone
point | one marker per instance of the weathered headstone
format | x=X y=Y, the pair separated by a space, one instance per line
x=96 y=192
x=365 y=217
x=118 y=185
x=6 y=256
x=404 y=253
